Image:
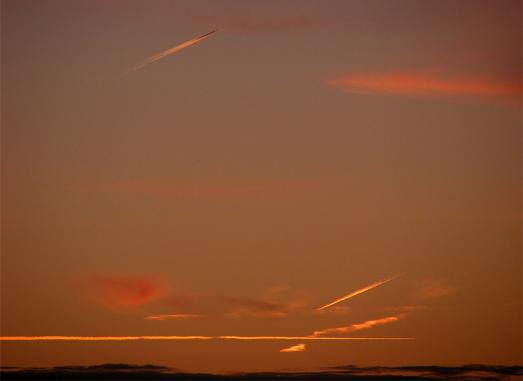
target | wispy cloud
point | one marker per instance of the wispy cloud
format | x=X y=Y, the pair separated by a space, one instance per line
x=423 y=84
x=170 y=51
x=357 y=327
x=294 y=348
x=357 y=292
x=405 y=309
x=117 y=292
x=433 y=289
x=245 y=307
x=272 y=302
x=173 y=317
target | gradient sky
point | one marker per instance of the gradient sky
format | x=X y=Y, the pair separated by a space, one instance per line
x=306 y=150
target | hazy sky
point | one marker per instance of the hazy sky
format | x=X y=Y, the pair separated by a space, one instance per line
x=304 y=151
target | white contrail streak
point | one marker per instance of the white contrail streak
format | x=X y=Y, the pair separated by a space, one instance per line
x=357 y=292
x=174 y=338
x=170 y=51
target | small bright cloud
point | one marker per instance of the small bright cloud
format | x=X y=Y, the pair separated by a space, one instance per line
x=294 y=348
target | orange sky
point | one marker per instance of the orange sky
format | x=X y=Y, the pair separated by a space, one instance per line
x=304 y=152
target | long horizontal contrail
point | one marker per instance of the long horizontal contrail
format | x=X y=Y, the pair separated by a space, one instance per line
x=100 y=338
x=357 y=292
x=170 y=51
x=174 y=338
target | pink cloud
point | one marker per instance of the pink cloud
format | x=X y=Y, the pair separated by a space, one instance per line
x=120 y=292
x=424 y=84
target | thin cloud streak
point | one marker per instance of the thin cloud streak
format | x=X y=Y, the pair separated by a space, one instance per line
x=100 y=338
x=137 y=338
x=420 y=84
x=172 y=316
x=358 y=327
x=249 y=338
x=357 y=292
x=170 y=51
x=294 y=348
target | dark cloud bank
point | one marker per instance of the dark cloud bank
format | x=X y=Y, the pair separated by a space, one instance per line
x=347 y=372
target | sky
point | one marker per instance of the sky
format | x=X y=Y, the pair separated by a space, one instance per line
x=366 y=153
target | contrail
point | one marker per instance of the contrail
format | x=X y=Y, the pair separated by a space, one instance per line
x=357 y=292
x=170 y=51
x=100 y=338
x=137 y=338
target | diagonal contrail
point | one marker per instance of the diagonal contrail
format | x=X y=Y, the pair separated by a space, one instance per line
x=170 y=51
x=357 y=292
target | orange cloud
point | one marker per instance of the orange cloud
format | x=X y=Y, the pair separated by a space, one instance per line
x=257 y=308
x=294 y=348
x=357 y=292
x=419 y=84
x=118 y=292
x=357 y=327
x=433 y=289
x=273 y=302
x=172 y=316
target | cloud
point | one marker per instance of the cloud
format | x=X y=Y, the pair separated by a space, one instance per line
x=153 y=372
x=247 y=17
x=433 y=289
x=423 y=84
x=273 y=302
x=119 y=292
x=245 y=307
x=405 y=309
x=357 y=292
x=294 y=348
x=357 y=327
x=173 y=316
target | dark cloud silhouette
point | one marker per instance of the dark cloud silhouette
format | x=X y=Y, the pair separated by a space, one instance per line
x=345 y=372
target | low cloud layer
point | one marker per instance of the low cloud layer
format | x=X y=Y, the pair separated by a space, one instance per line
x=344 y=372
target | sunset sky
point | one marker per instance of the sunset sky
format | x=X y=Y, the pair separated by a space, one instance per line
x=255 y=199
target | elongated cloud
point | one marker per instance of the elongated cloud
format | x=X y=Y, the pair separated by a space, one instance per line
x=170 y=51
x=174 y=338
x=357 y=292
x=357 y=327
x=294 y=348
x=264 y=308
x=416 y=84
x=173 y=317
